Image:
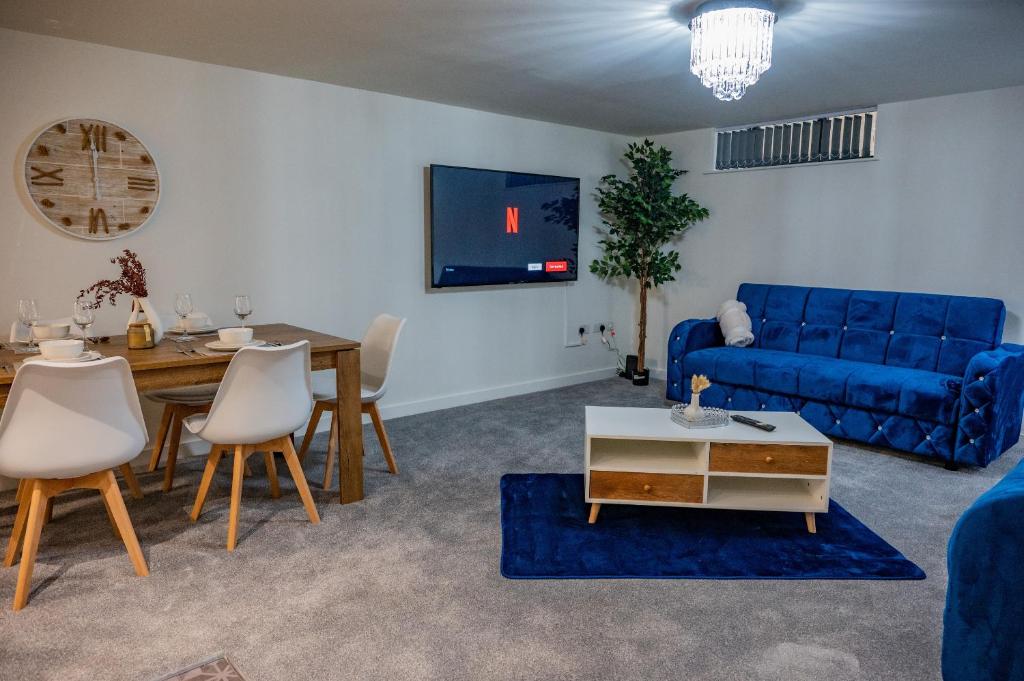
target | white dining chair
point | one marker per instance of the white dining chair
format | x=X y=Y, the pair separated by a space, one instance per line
x=265 y=396
x=179 y=404
x=376 y=352
x=66 y=426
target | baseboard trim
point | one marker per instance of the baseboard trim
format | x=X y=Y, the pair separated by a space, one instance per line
x=390 y=411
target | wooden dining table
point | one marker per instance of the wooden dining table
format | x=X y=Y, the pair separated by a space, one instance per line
x=165 y=366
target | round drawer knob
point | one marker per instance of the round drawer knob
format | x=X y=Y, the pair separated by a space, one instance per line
x=769 y=459
x=647 y=488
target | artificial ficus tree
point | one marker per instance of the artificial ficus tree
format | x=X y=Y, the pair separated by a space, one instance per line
x=641 y=217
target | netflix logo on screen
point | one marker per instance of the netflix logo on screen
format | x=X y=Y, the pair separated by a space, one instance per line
x=511 y=220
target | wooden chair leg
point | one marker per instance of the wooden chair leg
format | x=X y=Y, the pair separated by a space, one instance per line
x=48 y=516
x=112 y=494
x=307 y=439
x=110 y=516
x=329 y=461
x=33 y=527
x=292 y=459
x=172 y=449
x=131 y=481
x=204 y=485
x=268 y=460
x=161 y=435
x=236 y=495
x=24 y=503
x=385 y=444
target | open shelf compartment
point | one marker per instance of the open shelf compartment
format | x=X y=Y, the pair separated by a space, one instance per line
x=648 y=456
x=778 y=494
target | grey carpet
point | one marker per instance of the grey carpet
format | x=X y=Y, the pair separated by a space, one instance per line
x=405 y=585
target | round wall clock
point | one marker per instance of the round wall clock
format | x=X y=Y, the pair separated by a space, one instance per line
x=92 y=179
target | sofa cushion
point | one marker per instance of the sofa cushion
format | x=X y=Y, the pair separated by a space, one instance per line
x=889 y=389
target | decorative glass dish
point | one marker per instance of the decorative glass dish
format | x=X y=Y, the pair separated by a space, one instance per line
x=713 y=417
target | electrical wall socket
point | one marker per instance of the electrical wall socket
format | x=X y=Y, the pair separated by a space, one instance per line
x=608 y=327
x=573 y=339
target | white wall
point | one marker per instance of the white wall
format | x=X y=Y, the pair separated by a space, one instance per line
x=941 y=210
x=308 y=197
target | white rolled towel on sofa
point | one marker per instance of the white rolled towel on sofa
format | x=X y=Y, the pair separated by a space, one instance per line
x=735 y=323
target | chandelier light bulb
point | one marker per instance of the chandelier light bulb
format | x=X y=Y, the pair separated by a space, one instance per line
x=731 y=45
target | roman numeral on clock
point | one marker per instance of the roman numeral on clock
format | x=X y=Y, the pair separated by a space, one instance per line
x=47 y=178
x=96 y=216
x=94 y=135
x=142 y=184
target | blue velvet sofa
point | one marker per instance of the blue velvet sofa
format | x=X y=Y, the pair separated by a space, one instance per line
x=983 y=633
x=916 y=372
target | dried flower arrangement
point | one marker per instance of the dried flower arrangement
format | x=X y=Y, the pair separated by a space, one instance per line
x=132 y=281
x=699 y=383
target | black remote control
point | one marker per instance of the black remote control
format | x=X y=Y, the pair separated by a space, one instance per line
x=752 y=422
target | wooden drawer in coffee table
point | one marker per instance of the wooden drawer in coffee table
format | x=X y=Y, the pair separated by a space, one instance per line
x=768 y=458
x=647 y=486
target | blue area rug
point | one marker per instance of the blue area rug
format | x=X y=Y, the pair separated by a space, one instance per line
x=545 y=535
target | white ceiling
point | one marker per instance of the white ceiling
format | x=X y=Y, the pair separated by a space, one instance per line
x=617 y=65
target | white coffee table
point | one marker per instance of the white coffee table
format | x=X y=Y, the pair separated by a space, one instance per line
x=640 y=456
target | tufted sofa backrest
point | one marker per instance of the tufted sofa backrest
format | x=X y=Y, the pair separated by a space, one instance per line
x=912 y=330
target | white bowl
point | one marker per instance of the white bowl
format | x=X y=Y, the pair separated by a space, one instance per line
x=61 y=349
x=235 y=335
x=51 y=331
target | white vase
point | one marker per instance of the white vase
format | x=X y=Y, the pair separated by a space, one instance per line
x=141 y=307
x=693 y=411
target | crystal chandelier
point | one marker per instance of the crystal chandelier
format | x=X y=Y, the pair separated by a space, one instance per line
x=731 y=45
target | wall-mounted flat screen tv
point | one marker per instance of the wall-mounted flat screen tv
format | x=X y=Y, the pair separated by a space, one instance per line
x=489 y=227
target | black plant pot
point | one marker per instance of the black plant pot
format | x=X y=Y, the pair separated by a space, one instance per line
x=642 y=377
x=631 y=361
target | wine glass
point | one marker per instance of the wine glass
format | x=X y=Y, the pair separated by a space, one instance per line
x=243 y=308
x=83 y=316
x=183 y=307
x=28 y=314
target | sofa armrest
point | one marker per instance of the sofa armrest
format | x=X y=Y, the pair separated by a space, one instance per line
x=991 y=405
x=686 y=337
x=981 y=638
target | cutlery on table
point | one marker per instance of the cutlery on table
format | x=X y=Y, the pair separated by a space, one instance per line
x=186 y=349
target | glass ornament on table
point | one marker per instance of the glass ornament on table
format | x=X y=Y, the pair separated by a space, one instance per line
x=243 y=308
x=28 y=314
x=183 y=308
x=84 y=315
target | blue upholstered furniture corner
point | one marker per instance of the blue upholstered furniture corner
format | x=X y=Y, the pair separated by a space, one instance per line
x=983 y=633
x=916 y=372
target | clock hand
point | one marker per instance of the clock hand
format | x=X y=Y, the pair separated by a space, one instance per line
x=95 y=169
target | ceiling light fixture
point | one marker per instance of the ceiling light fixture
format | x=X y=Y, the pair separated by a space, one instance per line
x=731 y=45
